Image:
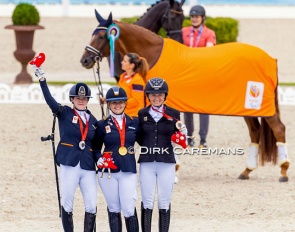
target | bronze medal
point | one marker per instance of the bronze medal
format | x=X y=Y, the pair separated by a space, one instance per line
x=122 y=151
x=179 y=125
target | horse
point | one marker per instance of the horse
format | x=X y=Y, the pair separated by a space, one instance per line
x=258 y=98
x=165 y=13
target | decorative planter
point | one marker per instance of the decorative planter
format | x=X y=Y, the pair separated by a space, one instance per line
x=24 y=36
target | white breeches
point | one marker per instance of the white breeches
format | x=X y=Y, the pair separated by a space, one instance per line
x=160 y=175
x=70 y=178
x=119 y=191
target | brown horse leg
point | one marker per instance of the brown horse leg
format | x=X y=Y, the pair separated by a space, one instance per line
x=284 y=169
x=279 y=129
x=254 y=132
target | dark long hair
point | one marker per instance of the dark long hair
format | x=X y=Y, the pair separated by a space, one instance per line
x=140 y=63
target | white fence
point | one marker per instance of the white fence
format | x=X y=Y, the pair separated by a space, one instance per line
x=32 y=94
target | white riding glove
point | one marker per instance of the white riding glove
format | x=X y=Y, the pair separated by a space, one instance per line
x=38 y=72
x=183 y=130
x=100 y=162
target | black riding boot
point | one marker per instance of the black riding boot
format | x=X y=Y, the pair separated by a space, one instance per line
x=164 y=220
x=67 y=220
x=132 y=223
x=146 y=219
x=89 y=221
x=115 y=221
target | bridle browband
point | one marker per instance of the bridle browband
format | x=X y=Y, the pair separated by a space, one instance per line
x=166 y=17
x=176 y=12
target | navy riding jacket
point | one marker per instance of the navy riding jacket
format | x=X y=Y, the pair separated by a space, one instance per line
x=108 y=134
x=155 y=137
x=68 y=151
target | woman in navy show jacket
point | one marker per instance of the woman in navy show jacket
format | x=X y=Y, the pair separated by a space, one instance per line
x=74 y=152
x=118 y=133
x=157 y=161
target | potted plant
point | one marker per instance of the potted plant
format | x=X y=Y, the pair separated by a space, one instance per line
x=25 y=19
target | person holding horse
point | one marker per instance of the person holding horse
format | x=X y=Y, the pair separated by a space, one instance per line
x=118 y=133
x=157 y=162
x=74 y=152
x=197 y=35
x=132 y=81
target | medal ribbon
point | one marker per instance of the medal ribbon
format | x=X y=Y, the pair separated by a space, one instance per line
x=164 y=114
x=200 y=31
x=82 y=130
x=121 y=131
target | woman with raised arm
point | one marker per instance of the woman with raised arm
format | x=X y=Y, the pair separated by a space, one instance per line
x=74 y=152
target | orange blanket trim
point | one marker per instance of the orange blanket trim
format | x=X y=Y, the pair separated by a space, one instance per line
x=229 y=79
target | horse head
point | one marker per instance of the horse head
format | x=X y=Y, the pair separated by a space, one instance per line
x=98 y=46
x=128 y=41
x=172 y=20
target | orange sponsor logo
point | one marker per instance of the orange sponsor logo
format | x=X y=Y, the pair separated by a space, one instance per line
x=254 y=91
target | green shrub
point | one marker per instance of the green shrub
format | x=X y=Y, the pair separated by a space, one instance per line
x=130 y=20
x=226 y=29
x=162 y=32
x=25 y=14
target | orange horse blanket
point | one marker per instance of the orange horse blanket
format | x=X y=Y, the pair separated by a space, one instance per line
x=228 y=79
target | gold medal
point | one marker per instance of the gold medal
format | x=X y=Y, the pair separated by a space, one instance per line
x=122 y=151
x=179 y=125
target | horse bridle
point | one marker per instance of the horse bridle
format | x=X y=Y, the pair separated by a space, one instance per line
x=92 y=50
x=97 y=58
x=166 y=17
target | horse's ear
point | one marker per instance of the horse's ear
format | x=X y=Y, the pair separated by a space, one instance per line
x=171 y=2
x=98 y=17
x=182 y=2
x=110 y=19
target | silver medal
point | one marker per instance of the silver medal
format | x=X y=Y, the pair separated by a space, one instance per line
x=82 y=145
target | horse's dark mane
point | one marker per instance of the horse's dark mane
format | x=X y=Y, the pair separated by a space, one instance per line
x=150 y=8
x=139 y=27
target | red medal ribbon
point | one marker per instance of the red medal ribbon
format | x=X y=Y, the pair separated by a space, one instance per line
x=121 y=131
x=82 y=130
x=163 y=113
x=200 y=31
